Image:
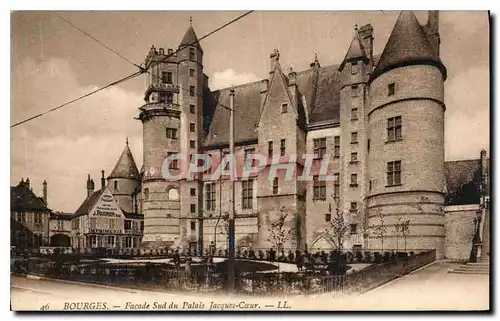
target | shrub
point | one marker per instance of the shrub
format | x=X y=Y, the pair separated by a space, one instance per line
x=261 y=254
x=368 y=257
x=412 y=253
x=359 y=257
x=349 y=257
x=387 y=256
x=402 y=255
x=377 y=258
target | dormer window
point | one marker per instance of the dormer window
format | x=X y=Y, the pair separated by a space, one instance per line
x=354 y=68
x=391 y=89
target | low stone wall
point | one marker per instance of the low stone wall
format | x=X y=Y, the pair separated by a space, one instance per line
x=378 y=274
x=459 y=224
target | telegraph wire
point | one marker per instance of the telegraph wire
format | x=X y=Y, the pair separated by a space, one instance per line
x=96 y=40
x=137 y=73
x=79 y=98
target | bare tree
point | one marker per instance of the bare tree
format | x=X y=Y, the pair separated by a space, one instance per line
x=278 y=234
x=338 y=227
x=405 y=230
x=397 y=231
x=380 y=230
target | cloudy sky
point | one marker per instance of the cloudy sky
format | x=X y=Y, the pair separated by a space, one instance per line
x=51 y=63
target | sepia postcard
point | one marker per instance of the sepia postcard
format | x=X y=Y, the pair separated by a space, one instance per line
x=250 y=161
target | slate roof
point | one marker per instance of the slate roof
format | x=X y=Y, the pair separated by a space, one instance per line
x=61 y=216
x=407 y=44
x=190 y=38
x=131 y=215
x=89 y=203
x=320 y=89
x=126 y=167
x=463 y=179
x=22 y=198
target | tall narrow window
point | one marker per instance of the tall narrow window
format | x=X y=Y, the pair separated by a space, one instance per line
x=191 y=109
x=248 y=155
x=354 y=207
x=162 y=97
x=354 y=67
x=275 y=186
x=336 y=146
x=192 y=144
x=164 y=77
x=319 y=147
x=146 y=193
x=192 y=127
x=391 y=89
x=354 y=137
x=319 y=188
x=192 y=191
x=210 y=197
x=116 y=185
x=270 y=151
x=354 y=113
x=171 y=133
x=354 y=179
x=193 y=208
x=283 y=147
x=170 y=98
x=336 y=184
x=394 y=128
x=193 y=225
x=354 y=228
x=174 y=164
x=191 y=72
x=247 y=194
x=354 y=157
x=284 y=108
x=394 y=173
x=191 y=54
x=191 y=91
x=328 y=217
x=354 y=90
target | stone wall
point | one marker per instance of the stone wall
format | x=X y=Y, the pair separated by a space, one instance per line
x=459 y=225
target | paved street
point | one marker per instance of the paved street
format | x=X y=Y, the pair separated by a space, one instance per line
x=431 y=288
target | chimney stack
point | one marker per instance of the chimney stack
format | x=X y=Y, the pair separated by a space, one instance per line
x=45 y=192
x=365 y=34
x=90 y=186
x=27 y=182
x=103 y=180
x=432 y=29
x=275 y=57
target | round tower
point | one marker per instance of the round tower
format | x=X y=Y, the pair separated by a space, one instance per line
x=160 y=116
x=406 y=142
x=123 y=180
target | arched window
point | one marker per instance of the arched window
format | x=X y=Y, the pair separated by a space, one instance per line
x=146 y=193
x=173 y=193
x=116 y=185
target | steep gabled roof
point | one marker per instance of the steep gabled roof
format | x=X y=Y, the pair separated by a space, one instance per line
x=22 y=198
x=126 y=167
x=89 y=203
x=190 y=38
x=407 y=45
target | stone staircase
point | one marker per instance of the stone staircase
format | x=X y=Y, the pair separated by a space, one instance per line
x=481 y=267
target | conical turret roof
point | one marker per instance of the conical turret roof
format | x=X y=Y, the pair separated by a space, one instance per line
x=190 y=38
x=407 y=44
x=125 y=167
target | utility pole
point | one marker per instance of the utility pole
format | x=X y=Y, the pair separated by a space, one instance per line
x=231 y=262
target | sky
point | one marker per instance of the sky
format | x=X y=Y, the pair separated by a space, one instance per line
x=52 y=62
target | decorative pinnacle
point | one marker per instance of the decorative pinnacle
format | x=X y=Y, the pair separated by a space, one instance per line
x=316 y=57
x=191 y=21
x=126 y=140
x=356 y=27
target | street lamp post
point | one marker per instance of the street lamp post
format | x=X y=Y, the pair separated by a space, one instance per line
x=231 y=232
x=476 y=240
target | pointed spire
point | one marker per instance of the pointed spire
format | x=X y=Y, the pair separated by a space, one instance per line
x=125 y=167
x=126 y=141
x=407 y=44
x=190 y=21
x=190 y=38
